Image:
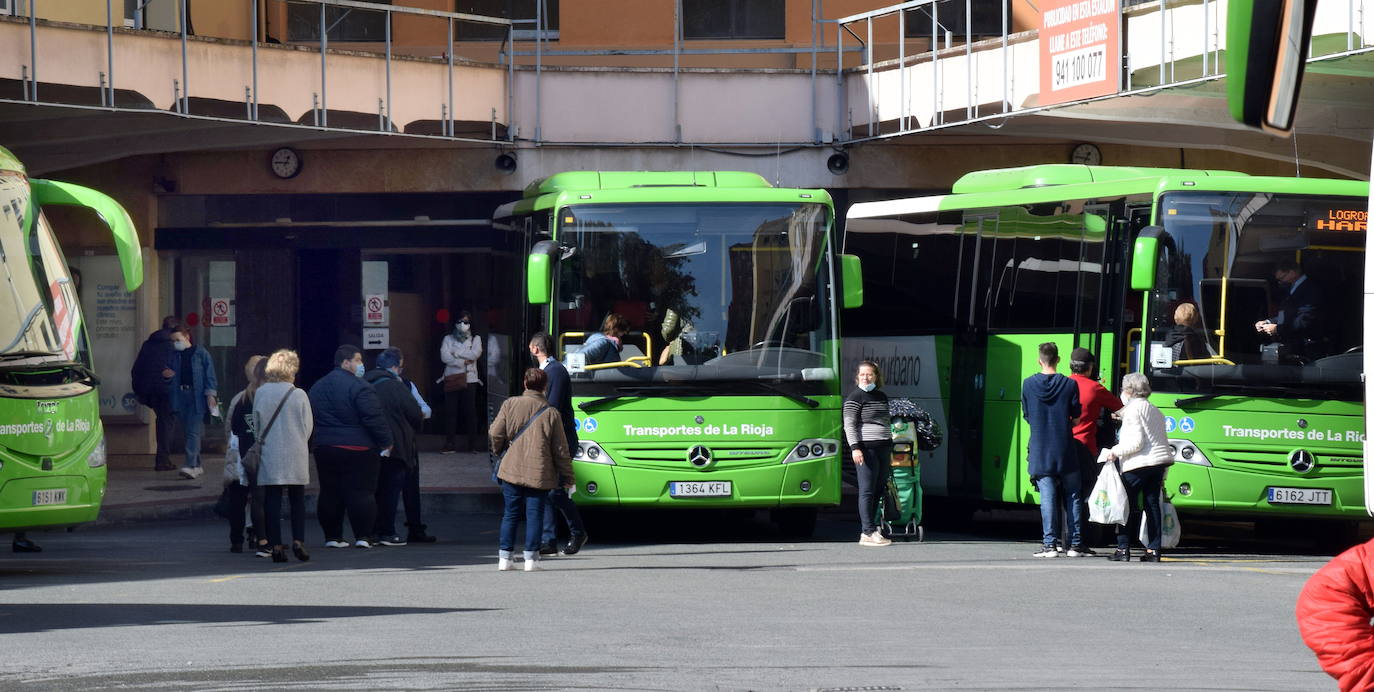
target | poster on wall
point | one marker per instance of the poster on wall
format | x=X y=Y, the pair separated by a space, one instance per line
x=111 y=315
x=1080 y=50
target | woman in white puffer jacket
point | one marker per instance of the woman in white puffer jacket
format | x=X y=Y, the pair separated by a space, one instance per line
x=1145 y=456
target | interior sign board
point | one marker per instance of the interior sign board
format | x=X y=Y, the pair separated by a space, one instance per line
x=1080 y=50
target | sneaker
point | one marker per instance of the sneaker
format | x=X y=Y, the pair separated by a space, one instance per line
x=504 y=564
x=548 y=548
x=335 y=544
x=1047 y=551
x=1150 y=556
x=420 y=537
x=575 y=543
x=190 y=473
x=1120 y=556
x=24 y=545
x=264 y=550
x=448 y=450
x=1081 y=551
x=392 y=540
x=362 y=543
x=873 y=540
x=532 y=566
x=298 y=549
x=879 y=539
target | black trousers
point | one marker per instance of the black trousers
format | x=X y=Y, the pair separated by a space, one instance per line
x=410 y=496
x=872 y=481
x=461 y=415
x=348 y=484
x=391 y=479
x=165 y=425
x=272 y=508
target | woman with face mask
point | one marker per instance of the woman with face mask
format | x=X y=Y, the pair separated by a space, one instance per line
x=1145 y=457
x=460 y=350
x=868 y=430
x=193 y=396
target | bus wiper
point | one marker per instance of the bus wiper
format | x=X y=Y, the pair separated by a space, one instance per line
x=693 y=387
x=1186 y=401
x=638 y=391
x=799 y=398
x=87 y=375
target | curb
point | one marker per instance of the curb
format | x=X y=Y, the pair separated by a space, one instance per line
x=446 y=500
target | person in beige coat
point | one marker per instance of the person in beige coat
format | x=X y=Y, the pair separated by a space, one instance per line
x=1145 y=456
x=285 y=450
x=528 y=439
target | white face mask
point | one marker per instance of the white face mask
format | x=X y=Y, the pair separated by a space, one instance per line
x=181 y=345
x=869 y=387
x=461 y=328
x=359 y=370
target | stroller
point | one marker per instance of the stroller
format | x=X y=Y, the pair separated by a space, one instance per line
x=899 y=507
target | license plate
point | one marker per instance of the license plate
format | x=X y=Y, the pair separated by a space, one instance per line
x=699 y=489
x=52 y=496
x=1299 y=496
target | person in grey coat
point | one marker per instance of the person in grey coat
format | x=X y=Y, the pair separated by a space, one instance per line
x=285 y=450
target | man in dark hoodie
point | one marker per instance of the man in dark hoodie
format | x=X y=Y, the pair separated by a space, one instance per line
x=1050 y=404
x=152 y=376
x=404 y=418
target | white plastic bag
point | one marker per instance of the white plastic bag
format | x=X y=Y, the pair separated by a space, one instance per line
x=1169 y=532
x=1108 y=503
x=233 y=464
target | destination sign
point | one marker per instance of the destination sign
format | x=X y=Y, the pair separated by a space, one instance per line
x=1352 y=220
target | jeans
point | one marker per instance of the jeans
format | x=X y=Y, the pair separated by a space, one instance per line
x=560 y=503
x=1061 y=492
x=193 y=424
x=529 y=500
x=1148 y=481
x=348 y=482
x=410 y=495
x=872 y=475
x=165 y=424
x=391 y=479
x=272 y=499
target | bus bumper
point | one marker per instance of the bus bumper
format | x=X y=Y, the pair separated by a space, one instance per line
x=1240 y=493
x=773 y=485
x=81 y=506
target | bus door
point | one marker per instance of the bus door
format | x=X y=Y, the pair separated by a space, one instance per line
x=1123 y=304
x=968 y=364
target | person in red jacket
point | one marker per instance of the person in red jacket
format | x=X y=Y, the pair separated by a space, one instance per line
x=1334 y=611
x=1094 y=397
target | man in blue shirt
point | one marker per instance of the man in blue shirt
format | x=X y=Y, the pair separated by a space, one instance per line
x=560 y=397
x=1049 y=402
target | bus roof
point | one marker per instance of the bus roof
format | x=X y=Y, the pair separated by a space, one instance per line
x=647 y=187
x=1058 y=182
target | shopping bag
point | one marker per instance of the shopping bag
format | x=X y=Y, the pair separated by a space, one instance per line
x=1170 y=531
x=1108 y=503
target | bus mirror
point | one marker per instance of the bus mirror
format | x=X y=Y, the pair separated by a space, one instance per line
x=1144 y=257
x=52 y=192
x=852 y=276
x=1266 y=52
x=538 y=279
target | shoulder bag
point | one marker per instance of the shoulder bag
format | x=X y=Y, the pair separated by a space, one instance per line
x=252 y=458
x=496 y=461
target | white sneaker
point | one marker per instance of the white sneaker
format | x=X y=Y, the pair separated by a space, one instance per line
x=362 y=544
x=191 y=473
x=879 y=539
x=1047 y=551
x=532 y=566
x=503 y=564
x=335 y=544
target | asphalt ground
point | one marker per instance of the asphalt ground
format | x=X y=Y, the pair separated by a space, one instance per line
x=656 y=601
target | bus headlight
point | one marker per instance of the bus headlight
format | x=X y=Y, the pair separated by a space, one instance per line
x=812 y=449
x=592 y=452
x=1188 y=453
x=97 y=455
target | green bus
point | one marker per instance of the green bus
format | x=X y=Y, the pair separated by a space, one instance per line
x=962 y=287
x=726 y=392
x=52 y=444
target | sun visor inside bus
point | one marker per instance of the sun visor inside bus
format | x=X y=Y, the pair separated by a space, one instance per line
x=52 y=192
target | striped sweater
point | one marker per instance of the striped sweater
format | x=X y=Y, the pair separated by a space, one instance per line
x=866 y=418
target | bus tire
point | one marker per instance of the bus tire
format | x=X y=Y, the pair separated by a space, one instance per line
x=799 y=522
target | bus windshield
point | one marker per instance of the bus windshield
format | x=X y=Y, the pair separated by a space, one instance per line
x=712 y=293
x=38 y=309
x=1258 y=293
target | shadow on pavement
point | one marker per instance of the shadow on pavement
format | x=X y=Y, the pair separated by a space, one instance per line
x=24 y=618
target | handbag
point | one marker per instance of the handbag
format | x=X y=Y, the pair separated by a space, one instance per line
x=1108 y=503
x=456 y=382
x=252 y=458
x=496 y=460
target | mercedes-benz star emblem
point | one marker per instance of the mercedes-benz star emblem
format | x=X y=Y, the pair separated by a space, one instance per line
x=700 y=420
x=699 y=456
x=1301 y=460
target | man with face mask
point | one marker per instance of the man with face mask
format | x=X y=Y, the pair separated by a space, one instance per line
x=560 y=397
x=151 y=376
x=403 y=418
x=350 y=436
x=193 y=395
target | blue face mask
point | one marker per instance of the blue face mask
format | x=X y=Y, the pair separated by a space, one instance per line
x=359 y=370
x=869 y=387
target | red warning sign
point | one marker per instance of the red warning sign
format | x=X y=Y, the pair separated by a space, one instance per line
x=220 y=312
x=374 y=309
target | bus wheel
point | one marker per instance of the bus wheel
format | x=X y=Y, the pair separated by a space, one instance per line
x=1336 y=535
x=796 y=521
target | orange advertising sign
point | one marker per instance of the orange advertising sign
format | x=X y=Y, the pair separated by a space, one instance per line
x=1080 y=50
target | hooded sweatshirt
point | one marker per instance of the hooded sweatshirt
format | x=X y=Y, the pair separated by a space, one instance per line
x=1050 y=404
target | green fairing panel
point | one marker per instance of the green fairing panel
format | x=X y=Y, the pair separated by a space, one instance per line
x=52 y=192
